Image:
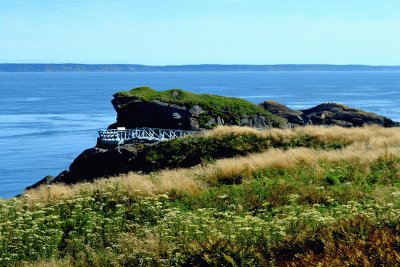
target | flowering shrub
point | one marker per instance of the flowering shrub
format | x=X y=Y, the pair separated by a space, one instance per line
x=76 y=227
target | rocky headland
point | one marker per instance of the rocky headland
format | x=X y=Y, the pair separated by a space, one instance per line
x=178 y=109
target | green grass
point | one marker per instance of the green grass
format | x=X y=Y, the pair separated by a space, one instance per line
x=324 y=212
x=274 y=217
x=226 y=107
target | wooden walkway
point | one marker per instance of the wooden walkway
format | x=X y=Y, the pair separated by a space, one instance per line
x=122 y=136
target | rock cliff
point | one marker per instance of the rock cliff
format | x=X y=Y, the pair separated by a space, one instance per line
x=178 y=109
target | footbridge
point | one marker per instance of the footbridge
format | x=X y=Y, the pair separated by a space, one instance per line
x=121 y=135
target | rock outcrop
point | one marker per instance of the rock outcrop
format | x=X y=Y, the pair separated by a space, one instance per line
x=328 y=114
x=178 y=109
x=291 y=115
x=99 y=162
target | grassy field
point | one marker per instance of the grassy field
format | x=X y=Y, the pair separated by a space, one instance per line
x=333 y=203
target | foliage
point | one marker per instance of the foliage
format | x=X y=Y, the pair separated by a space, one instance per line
x=190 y=151
x=331 y=211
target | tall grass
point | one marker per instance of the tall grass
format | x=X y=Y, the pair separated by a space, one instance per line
x=297 y=206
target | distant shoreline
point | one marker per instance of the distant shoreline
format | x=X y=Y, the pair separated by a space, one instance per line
x=72 y=67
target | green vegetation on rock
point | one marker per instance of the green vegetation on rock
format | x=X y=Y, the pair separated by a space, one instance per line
x=225 y=107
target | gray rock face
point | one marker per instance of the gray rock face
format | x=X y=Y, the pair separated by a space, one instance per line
x=328 y=114
x=292 y=116
x=155 y=114
x=255 y=121
x=158 y=114
x=100 y=162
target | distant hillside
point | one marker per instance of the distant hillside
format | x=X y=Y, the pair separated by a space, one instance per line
x=15 y=67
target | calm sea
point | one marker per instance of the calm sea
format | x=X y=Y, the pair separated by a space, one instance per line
x=47 y=119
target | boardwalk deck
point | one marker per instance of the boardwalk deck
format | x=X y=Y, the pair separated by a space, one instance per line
x=122 y=136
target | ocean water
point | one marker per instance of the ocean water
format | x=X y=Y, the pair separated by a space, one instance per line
x=47 y=119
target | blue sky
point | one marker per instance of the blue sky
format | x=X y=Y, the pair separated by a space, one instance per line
x=162 y=32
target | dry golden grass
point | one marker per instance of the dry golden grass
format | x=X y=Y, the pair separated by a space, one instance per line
x=224 y=130
x=322 y=133
x=133 y=184
x=367 y=144
x=53 y=263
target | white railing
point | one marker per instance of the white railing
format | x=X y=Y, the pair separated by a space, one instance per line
x=121 y=136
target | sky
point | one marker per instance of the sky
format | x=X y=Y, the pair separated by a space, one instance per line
x=176 y=32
